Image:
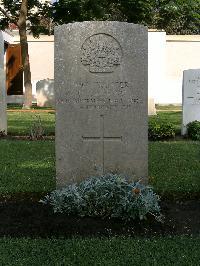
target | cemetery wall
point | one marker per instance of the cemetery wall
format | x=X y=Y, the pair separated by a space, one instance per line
x=41 y=53
x=156 y=63
x=169 y=56
x=42 y=50
x=182 y=53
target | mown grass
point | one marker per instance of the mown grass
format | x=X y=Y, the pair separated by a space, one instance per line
x=19 y=123
x=15 y=106
x=26 y=166
x=182 y=251
x=29 y=166
x=174 y=168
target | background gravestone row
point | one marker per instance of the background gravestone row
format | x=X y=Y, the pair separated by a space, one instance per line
x=191 y=97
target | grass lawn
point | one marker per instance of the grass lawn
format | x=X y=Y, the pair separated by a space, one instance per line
x=15 y=106
x=184 y=251
x=19 y=123
x=29 y=166
x=174 y=168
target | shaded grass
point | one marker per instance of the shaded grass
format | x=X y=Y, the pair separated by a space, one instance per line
x=15 y=106
x=114 y=251
x=19 y=123
x=29 y=166
x=174 y=168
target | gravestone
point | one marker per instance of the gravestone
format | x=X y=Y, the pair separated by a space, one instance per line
x=191 y=97
x=151 y=107
x=3 y=115
x=101 y=92
x=1 y=50
x=45 y=93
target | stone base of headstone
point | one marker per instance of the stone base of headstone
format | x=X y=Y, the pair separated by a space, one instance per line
x=45 y=93
x=151 y=107
x=3 y=105
x=191 y=98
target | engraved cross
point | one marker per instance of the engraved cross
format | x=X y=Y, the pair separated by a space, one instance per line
x=102 y=138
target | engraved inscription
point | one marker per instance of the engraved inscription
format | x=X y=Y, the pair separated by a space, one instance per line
x=195 y=81
x=193 y=96
x=100 y=98
x=101 y=53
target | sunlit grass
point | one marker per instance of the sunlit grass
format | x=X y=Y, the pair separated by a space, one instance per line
x=19 y=123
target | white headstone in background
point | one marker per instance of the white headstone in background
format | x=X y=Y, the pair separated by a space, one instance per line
x=45 y=93
x=151 y=107
x=191 y=97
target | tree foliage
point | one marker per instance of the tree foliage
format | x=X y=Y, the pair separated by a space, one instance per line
x=175 y=17
x=26 y=15
x=39 y=16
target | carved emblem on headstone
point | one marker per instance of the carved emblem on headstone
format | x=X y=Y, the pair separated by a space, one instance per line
x=101 y=53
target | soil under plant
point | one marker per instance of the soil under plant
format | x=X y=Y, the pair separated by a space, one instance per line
x=33 y=219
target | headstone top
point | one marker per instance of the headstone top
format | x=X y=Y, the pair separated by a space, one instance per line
x=84 y=24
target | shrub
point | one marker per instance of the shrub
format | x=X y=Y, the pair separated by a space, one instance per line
x=160 y=131
x=37 y=130
x=193 y=130
x=107 y=196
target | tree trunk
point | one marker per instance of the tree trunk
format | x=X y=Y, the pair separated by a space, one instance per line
x=25 y=56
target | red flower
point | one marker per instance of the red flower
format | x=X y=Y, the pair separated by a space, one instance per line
x=136 y=190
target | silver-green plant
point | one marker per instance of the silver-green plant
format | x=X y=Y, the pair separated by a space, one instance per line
x=37 y=130
x=110 y=195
